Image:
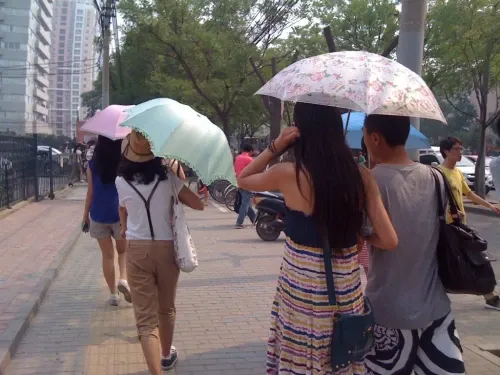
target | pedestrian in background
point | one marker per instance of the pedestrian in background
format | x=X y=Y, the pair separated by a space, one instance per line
x=100 y=216
x=240 y=163
x=146 y=190
x=451 y=150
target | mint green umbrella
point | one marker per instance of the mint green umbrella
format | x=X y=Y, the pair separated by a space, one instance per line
x=177 y=131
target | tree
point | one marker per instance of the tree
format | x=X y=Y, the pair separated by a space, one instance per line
x=460 y=123
x=210 y=41
x=466 y=57
x=357 y=25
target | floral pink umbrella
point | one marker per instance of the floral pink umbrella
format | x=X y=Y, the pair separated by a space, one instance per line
x=106 y=122
x=355 y=80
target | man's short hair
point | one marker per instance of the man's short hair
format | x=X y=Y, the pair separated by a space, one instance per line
x=247 y=148
x=394 y=129
x=447 y=144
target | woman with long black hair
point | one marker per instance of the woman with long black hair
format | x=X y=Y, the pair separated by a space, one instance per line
x=101 y=217
x=327 y=197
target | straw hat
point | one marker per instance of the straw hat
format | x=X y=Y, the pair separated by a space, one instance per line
x=136 y=148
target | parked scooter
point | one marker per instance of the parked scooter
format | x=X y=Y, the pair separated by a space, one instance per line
x=269 y=222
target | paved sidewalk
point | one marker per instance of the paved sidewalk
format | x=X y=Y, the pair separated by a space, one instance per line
x=223 y=311
x=34 y=240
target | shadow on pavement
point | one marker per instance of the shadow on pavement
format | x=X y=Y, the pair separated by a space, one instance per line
x=256 y=240
x=203 y=283
x=249 y=358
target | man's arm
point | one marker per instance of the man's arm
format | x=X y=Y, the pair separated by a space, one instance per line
x=480 y=201
x=476 y=198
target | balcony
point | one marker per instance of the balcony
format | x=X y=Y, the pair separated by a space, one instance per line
x=44 y=35
x=41 y=64
x=43 y=50
x=41 y=110
x=40 y=94
x=42 y=80
x=45 y=21
x=47 y=7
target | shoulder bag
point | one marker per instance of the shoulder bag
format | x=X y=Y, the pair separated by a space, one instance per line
x=185 y=252
x=463 y=265
x=352 y=337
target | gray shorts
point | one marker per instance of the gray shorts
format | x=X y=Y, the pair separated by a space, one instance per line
x=100 y=231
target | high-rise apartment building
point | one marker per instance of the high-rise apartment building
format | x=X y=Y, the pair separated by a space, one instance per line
x=25 y=37
x=74 y=62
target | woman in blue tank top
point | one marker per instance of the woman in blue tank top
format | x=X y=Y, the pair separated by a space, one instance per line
x=101 y=214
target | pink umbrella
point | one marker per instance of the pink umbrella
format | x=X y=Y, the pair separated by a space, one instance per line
x=106 y=122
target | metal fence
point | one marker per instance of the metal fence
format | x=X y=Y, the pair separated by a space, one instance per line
x=29 y=170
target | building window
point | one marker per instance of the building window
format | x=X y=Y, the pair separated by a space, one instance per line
x=78 y=38
x=79 y=18
x=78 y=31
x=79 y=11
x=59 y=85
x=62 y=38
x=77 y=45
x=79 y=25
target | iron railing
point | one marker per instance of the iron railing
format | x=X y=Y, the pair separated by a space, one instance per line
x=28 y=171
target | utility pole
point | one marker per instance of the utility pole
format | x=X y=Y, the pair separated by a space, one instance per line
x=108 y=11
x=410 y=51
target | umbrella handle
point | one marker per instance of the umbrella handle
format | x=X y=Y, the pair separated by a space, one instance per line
x=347 y=123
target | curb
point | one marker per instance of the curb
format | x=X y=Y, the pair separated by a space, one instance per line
x=485 y=351
x=11 y=337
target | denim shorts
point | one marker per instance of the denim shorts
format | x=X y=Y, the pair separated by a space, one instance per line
x=100 y=231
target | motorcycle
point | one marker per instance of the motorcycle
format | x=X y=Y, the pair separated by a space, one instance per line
x=269 y=222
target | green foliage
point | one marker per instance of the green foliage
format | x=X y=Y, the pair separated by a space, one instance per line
x=200 y=48
x=461 y=122
x=367 y=25
x=464 y=50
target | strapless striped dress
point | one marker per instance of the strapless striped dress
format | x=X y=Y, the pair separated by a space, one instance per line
x=302 y=319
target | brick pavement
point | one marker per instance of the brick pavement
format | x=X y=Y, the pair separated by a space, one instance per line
x=33 y=242
x=222 y=308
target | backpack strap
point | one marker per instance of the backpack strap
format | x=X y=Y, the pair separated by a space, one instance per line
x=147 y=203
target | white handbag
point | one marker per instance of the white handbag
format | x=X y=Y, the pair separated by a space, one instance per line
x=185 y=252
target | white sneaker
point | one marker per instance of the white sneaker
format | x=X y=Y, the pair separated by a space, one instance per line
x=168 y=363
x=114 y=299
x=124 y=289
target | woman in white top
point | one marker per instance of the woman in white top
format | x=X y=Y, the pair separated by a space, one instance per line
x=145 y=193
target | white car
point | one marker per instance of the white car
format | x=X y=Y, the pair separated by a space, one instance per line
x=466 y=166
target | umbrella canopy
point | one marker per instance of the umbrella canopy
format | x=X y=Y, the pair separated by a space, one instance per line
x=177 y=131
x=416 y=140
x=356 y=80
x=106 y=122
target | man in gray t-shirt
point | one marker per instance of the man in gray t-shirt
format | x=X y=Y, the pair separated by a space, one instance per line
x=415 y=330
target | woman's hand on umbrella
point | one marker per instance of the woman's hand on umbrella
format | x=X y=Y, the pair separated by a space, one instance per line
x=286 y=138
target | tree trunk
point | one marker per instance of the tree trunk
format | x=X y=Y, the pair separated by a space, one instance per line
x=225 y=125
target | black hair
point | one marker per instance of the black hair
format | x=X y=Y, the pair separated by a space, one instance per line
x=107 y=155
x=447 y=144
x=143 y=172
x=247 y=147
x=323 y=155
x=394 y=129
x=364 y=150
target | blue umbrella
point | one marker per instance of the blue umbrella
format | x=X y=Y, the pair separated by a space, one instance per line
x=416 y=140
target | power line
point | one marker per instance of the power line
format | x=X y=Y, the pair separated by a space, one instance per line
x=83 y=70
x=29 y=65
